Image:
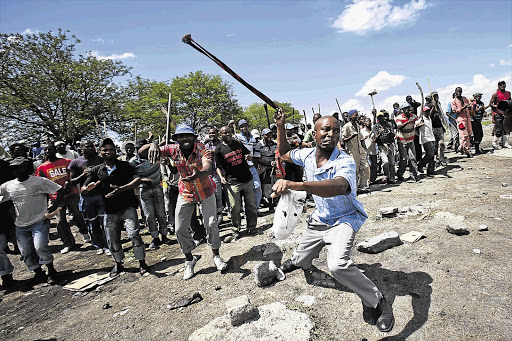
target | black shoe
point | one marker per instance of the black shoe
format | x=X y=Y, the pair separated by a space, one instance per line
x=288 y=266
x=385 y=320
x=400 y=178
x=143 y=269
x=166 y=240
x=370 y=315
x=40 y=276
x=469 y=155
x=116 y=270
x=421 y=170
x=8 y=281
x=172 y=229
x=52 y=277
x=155 y=243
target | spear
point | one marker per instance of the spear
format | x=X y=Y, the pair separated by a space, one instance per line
x=305 y=120
x=431 y=95
x=266 y=111
x=313 y=110
x=338 y=105
x=98 y=127
x=319 y=108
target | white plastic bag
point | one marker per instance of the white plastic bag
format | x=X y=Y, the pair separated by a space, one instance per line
x=287 y=213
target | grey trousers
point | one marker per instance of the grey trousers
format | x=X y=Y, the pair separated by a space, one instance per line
x=113 y=225
x=184 y=210
x=339 y=240
x=407 y=158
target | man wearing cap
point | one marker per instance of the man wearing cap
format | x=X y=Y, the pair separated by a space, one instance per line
x=56 y=169
x=439 y=125
x=63 y=153
x=406 y=122
x=249 y=141
x=29 y=195
x=384 y=134
x=352 y=139
x=478 y=107
x=265 y=156
x=193 y=161
x=498 y=116
x=232 y=157
x=337 y=217
x=116 y=180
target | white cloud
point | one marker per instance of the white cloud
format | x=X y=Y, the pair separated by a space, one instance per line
x=388 y=102
x=505 y=62
x=114 y=56
x=492 y=65
x=99 y=40
x=29 y=31
x=230 y=34
x=380 y=82
x=363 y=16
x=351 y=104
x=510 y=45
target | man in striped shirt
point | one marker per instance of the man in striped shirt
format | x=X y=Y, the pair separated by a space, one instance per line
x=406 y=122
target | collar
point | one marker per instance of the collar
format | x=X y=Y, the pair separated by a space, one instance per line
x=329 y=164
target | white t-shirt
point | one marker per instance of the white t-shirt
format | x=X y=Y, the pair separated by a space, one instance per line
x=70 y=155
x=426 y=131
x=30 y=198
x=369 y=145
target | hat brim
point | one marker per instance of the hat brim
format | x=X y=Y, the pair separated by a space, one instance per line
x=174 y=136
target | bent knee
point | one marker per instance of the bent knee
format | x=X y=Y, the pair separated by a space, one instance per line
x=340 y=264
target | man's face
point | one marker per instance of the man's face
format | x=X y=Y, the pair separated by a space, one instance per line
x=289 y=132
x=50 y=150
x=368 y=123
x=436 y=97
x=226 y=135
x=244 y=128
x=407 y=110
x=502 y=86
x=186 y=141
x=327 y=133
x=354 y=117
x=108 y=152
x=458 y=92
x=345 y=116
x=129 y=148
x=19 y=151
x=88 y=148
x=408 y=99
x=213 y=134
x=61 y=148
x=381 y=119
x=268 y=138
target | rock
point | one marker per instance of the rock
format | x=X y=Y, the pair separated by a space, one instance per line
x=306 y=300
x=240 y=310
x=388 y=211
x=267 y=272
x=506 y=196
x=218 y=287
x=275 y=322
x=380 y=243
x=272 y=251
x=483 y=228
x=487 y=177
x=185 y=301
x=107 y=306
x=477 y=251
x=504 y=184
x=457 y=228
x=470 y=167
x=445 y=217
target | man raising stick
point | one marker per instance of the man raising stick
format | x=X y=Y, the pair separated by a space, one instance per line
x=331 y=179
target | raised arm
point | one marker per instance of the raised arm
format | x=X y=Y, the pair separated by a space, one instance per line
x=282 y=143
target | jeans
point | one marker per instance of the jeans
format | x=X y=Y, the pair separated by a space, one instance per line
x=235 y=193
x=373 y=167
x=5 y=264
x=407 y=158
x=63 y=228
x=171 y=194
x=152 y=200
x=428 y=159
x=387 y=156
x=33 y=243
x=256 y=186
x=184 y=210
x=439 y=143
x=218 y=193
x=113 y=226
x=93 y=210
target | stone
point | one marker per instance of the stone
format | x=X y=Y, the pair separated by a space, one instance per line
x=272 y=251
x=240 y=310
x=380 y=243
x=506 y=196
x=477 y=251
x=504 y=184
x=483 y=228
x=306 y=300
x=275 y=322
x=388 y=211
x=457 y=228
x=487 y=177
x=267 y=272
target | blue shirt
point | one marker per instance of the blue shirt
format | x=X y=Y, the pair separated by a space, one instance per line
x=450 y=114
x=341 y=208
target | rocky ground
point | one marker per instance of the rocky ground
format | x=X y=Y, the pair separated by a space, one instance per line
x=444 y=286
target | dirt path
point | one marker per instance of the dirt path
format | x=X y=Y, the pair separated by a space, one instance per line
x=440 y=288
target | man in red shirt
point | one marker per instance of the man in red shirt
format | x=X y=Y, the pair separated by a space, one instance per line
x=498 y=116
x=56 y=169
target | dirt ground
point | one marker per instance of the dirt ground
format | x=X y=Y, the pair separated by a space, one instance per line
x=440 y=288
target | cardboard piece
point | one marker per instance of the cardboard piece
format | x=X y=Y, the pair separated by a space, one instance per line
x=412 y=236
x=88 y=282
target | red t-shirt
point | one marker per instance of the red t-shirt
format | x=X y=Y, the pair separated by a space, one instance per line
x=57 y=172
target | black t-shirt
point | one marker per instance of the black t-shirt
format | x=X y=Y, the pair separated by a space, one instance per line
x=231 y=159
x=120 y=176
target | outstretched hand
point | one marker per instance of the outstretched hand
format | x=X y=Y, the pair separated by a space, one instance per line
x=195 y=174
x=114 y=193
x=92 y=185
x=154 y=153
x=280 y=187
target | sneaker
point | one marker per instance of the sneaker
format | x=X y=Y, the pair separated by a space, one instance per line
x=65 y=250
x=219 y=263
x=507 y=146
x=107 y=252
x=87 y=238
x=189 y=268
x=116 y=270
x=143 y=269
x=155 y=243
x=444 y=162
x=99 y=251
x=421 y=170
x=288 y=266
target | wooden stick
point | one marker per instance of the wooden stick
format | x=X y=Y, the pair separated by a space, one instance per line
x=168 y=118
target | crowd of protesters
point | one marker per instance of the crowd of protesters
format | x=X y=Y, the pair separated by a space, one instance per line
x=185 y=187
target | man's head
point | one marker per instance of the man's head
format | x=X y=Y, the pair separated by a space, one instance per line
x=428 y=99
x=427 y=109
x=88 y=148
x=408 y=99
x=21 y=167
x=185 y=136
x=502 y=85
x=226 y=135
x=316 y=117
x=61 y=147
x=289 y=129
x=243 y=126
x=129 y=148
x=50 y=150
x=326 y=133
x=273 y=128
x=380 y=117
x=213 y=134
x=396 y=105
x=353 y=115
x=458 y=91
x=477 y=96
x=407 y=108
x=345 y=116
x=368 y=122
x=335 y=115
x=18 y=149
x=267 y=135
x=435 y=96
x=108 y=149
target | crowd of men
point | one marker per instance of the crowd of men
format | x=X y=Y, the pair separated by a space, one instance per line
x=185 y=187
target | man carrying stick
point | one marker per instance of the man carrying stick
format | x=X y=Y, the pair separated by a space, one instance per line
x=331 y=176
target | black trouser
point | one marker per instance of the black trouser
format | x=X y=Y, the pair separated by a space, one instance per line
x=478 y=133
x=428 y=159
x=498 y=125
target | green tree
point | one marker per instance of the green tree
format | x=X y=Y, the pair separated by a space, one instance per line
x=203 y=101
x=47 y=91
x=257 y=118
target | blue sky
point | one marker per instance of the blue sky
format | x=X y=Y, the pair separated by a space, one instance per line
x=303 y=52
